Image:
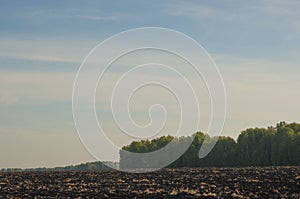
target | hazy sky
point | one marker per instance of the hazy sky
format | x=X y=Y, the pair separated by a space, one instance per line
x=255 y=44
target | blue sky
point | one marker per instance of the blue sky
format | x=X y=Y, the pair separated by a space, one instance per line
x=254 y=43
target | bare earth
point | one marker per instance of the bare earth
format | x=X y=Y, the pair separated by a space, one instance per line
x=261 y=182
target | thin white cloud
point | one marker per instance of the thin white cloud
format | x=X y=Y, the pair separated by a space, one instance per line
x=283 y=14
x=258 y=10
x=196 y=11
x=98 y=18
x=8 y=99
x=61 y=50
x=240 y=67
x=89 y=14
x=92 y=14
x=286 y=8
x=35 y=88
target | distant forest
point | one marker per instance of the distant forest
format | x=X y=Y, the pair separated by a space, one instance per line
x=106 y=165
x=272 y=146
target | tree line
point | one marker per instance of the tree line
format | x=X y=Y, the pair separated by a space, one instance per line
x=272 y=146
x=105 y=165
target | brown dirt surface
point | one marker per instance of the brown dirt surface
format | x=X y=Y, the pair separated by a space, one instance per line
x=252 y=182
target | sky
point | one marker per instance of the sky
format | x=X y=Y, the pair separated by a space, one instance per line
x=255 y=45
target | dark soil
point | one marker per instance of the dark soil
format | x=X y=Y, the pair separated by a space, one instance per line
x=263 y=182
